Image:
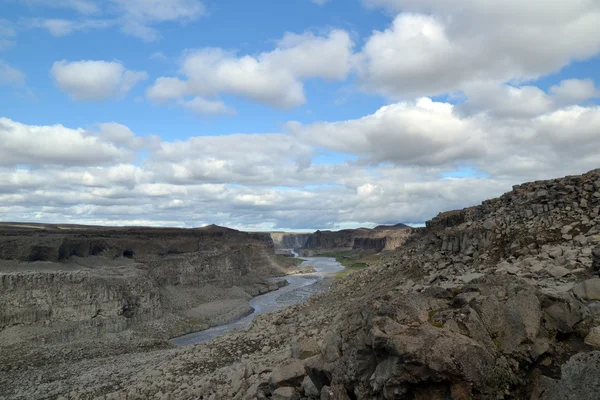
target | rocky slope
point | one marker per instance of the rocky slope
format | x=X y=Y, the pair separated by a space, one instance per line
x=62 y=283
x=498 y=301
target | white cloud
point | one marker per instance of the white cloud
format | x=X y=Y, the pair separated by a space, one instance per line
x=10 y=76
x=320 y=3
x=524 y=101
x=203 y=106
x=575 y=90
x=433 y=134
x=55 y=145
x=267 y=181
x=159 y=55
x=63 y=27
x=160 y=10
x=80 y=6
x=134 y=17
x=273 y=78
x=94 y=80
x=137 y=16
x=436 y=47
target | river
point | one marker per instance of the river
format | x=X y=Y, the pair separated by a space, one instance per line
x=300 y=287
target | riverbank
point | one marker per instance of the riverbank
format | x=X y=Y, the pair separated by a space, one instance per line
x=299 y=288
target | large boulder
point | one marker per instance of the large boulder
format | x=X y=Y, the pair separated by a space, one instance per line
x=305 y=348
x=289 y=374
x=580 y=379
x=593 y=338
x=588 y=290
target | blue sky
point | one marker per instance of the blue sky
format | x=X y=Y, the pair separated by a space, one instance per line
x=351 y=113
x=235 y=25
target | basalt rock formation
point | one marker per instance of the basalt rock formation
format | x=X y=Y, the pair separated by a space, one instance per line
x=290 y=240
x=497 y=301
x=62 y=283
x=380 y=238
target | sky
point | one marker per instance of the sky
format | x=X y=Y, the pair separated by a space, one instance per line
x=289 y=115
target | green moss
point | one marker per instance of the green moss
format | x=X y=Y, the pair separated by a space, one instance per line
x=437 y=324
x=456 y=292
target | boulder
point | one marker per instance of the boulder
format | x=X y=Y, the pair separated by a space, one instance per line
x=588 y=290
x=305 y=348
x=593 y=338
x=309 y=389
x=579 y=379
x=557 y=271
x=290 y=374
x=285 y=393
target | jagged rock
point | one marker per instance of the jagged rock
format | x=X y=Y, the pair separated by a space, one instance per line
x=305 y=348
x=309 y=389
x=290 y=374
x=593 y=337
x=286 y=393
x=588 y=290
x=579 y=379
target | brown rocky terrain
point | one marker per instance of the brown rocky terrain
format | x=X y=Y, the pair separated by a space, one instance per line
x=497 y=301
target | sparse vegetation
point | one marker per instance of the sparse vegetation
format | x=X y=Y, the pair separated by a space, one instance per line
x=353 y=260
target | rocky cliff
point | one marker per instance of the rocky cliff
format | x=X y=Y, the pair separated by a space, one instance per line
x=60 y=283
x=289 y=240
x=497 y=301
x=380 y=238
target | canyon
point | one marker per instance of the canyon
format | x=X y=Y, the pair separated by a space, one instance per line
x=495 y=301
x=60 y=283
x=382 y=237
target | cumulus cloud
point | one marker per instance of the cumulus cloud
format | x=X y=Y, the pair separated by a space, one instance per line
x=435 y=134
x=273 y=78
x=524 y=101
x=435 y=46
x=56 y=145
x=268 y=181
x=94 y=80
x=10 y=76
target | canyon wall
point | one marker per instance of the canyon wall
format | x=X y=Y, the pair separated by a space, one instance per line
x=59 y=284
x=290 y=240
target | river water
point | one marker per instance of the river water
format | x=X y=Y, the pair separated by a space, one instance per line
x=300 y=287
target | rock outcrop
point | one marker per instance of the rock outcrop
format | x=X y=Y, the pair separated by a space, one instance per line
x=490 y=302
